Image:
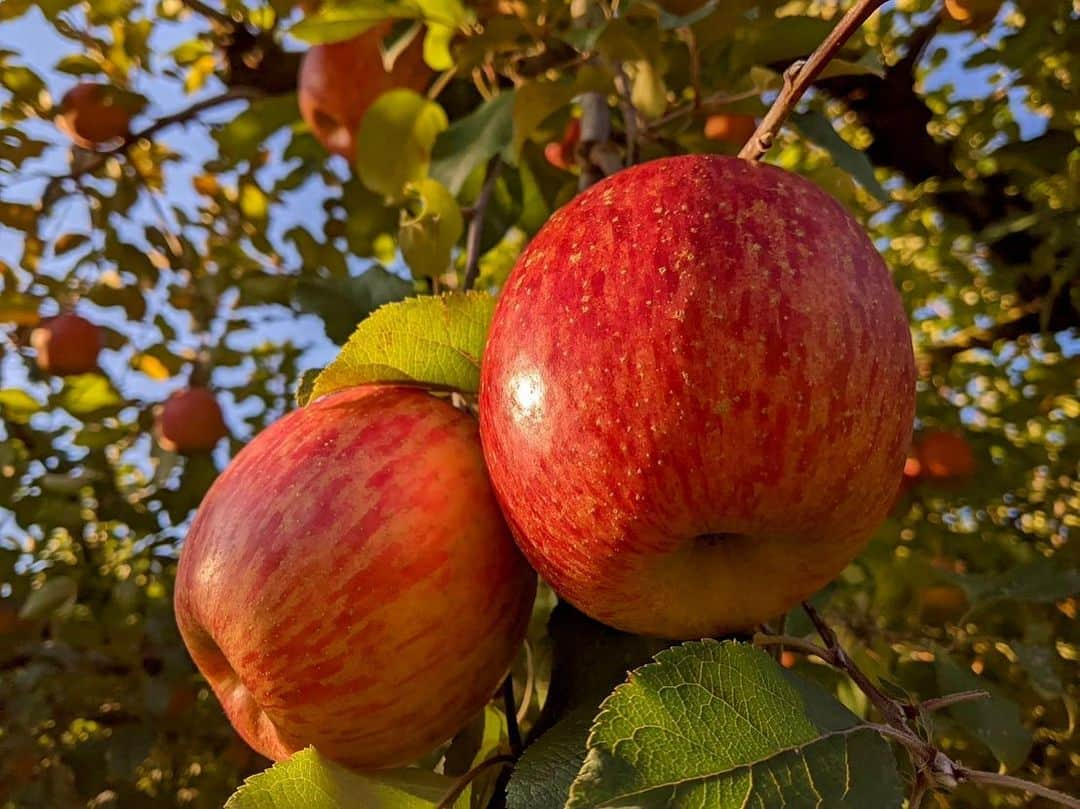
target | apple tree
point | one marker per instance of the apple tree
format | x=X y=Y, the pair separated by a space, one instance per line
x=288 y=228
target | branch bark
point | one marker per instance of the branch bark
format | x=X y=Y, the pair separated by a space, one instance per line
x=476 y=224
x=800 y=75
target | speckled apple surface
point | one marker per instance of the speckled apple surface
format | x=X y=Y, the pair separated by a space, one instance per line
x=696 y=395
x=349 y=581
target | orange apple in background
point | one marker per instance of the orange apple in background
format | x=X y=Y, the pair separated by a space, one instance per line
x=341 y=80
x=91 y=116
x=349 y=581
x=563 y=154
x=944 y=456
x=941 y=603
x=697 y=395
x=190 y=421
x=976 y=14
x=67 y=344
x=733 y=129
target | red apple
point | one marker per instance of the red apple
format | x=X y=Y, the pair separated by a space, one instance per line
x=696 y=395
x=341 y=80
x=67 y=344
x=944 y=455
x=191 y=421
x=91 y=117
x=349 y=582
x=733 y=129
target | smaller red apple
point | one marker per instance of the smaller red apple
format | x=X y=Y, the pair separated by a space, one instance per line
x=733 y=129
x=67 y=344
x=562 y=154
x=339 y=81
x=945 y=456
x=91 y=117
x=190 y=421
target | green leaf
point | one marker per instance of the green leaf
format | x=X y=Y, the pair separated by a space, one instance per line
x=543 y=776
x=722 y=725
x=342 y=302
x=18 y=405
x=472 y=140
x=85 y=394
x=817 y=127
x=427 y=238
x=335 y=22
x=244 y=135
x=305 y=385
x=1040 y=661
x=309 y=781
x=994 y=721
x=433 y=341
x=1042 y=581
x=51 y=596
x=395 y=140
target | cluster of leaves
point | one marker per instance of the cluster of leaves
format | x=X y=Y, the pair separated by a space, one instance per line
x=230 y=241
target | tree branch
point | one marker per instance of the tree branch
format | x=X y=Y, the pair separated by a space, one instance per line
x=220 y=17
x=1010 y=782
x=939 y=703
x=182 y=116
x=800 y=75
x=513 y=732
x=476 y=223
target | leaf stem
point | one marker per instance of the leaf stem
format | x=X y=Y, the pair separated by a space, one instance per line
x=463 y=782
x=938 y=703
x=801 y=74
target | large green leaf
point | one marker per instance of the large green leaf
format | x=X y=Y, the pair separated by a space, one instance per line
x=433 y=341
x=395 y=140
x=722 y=725
x=243 y=136
x=1043 y=580
x=543 y=776
x=817 y=127
x=309 y=781
x=472 y=140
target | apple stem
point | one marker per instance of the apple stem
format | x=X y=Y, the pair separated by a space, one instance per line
x=801 y=74
x=513 y=732
x=476 y=223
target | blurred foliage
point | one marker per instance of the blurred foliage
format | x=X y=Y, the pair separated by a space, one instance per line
x=224 y=246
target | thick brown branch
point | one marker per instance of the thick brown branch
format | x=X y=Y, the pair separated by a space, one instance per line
x=800 y=75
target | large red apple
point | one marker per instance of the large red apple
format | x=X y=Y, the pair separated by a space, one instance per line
x=190 y=421
x=91 y=115
x=341 y=80
x=696 y=395
x=350 y=583
x=67 y=344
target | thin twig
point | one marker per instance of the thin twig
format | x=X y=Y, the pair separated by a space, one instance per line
x=513 y=732
x=211 y=13
x=530 y=684
x=799 y=77
x=937 y=703
x=476 y=223
x=791 y=642
x=706 y=104
x=629 y=111
x=1010 y=782
x=888 y=707
x=463 y=782
x=182 y=116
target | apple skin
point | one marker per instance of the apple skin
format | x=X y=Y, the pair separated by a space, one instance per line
x=696 y=395
x=91 y=117
x=67 y=344
x=191 y=421
x=349 y=581
x=339 y=81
